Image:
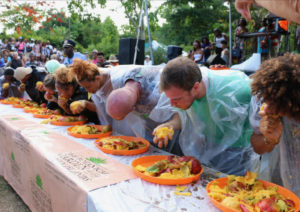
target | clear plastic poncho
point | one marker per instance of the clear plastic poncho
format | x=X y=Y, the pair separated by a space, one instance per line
x=216 y=128
x=289 y=148
x=152 y=109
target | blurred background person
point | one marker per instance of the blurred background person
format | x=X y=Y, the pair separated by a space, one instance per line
x=147 y=61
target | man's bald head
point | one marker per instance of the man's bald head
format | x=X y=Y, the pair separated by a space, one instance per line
x=121 y=102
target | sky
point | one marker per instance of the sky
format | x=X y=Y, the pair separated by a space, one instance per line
x=113 y=9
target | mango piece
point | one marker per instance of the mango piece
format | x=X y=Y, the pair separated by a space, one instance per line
x=5 y=85
x=39 y=83
x=163 y=132
x=187 y=194
x=76 y=105
x=180 y=188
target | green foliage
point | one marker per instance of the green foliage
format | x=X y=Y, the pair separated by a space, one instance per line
x=160 y=55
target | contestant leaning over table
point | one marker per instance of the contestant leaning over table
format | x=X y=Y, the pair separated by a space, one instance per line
x=69 y=91
x=9 y=85
x=50 y=94
x=277 y=84
x=28 y=78
x=214 y=118
x=129 y=94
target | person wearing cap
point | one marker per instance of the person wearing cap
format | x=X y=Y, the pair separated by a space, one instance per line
x=95 y=56
x=148 y=61
x=52 y=65
x=113 y=60
x=29 y=77
x=70 y=54
x=9 y=85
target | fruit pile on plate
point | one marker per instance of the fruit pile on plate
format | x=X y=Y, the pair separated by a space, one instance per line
x=247 y=194
x=10 y=100
x=173 y=167
x=114 y=143
x=89 y=129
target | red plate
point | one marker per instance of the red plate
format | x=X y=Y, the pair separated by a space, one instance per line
x=90 y=136
x=223 y=181
x=124 y=152
x=147 y=161
x=41 y=116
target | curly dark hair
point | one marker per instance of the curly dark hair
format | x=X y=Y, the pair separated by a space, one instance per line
x=277 y=83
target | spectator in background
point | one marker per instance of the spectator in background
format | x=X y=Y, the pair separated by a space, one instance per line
x=264 y=42
x=21 y=45
x=4 y=44
x=298 y=38
x=49 y=48
x=101 y=62
x=148 y=61
x=32 y=61
x=29 y=46
x=11 y=46
x=198 y=53
x=239 y=43
x=44 y=50
x=70 y=54
x=206 y=46
x=43 y=60
x=9 y=85
x=5 y=57
x=15 y=62
x=219 y=36
x=113 y=60
x=95 y=56
x=225 y=52
x=37 y=49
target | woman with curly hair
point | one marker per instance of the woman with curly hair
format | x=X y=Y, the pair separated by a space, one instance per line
x=69 y=91
x=276 y=83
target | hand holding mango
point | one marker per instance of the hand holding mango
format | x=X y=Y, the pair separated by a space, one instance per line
x=62 y=101
x=5 y=86
x=77 y=106
x=39 y=86
x=270 y=125
x=162 y=134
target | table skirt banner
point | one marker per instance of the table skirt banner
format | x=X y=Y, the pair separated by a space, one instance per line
x=50 y=171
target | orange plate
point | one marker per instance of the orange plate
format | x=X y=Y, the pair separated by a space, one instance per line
x=5 y=103
x=147 y=161
x=62 y=123
x=19 y=106
x=283 y=191
x=41 y=116
x=220 y=68
x=125 y=152
x=92 y=136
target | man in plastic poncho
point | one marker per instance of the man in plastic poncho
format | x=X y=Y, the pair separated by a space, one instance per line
x=213 y=115
x=126 y=97
x=277 y=84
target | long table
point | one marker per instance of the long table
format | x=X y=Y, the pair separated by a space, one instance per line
x=52 y=171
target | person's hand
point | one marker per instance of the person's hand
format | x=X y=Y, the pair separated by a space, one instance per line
x=243 y=7
x=5 y=86
x=62 y=101
x=40 y=86
x=78 y=106
x=22 y=87
x=162 y=139
x=270 y=125
x=50 y=97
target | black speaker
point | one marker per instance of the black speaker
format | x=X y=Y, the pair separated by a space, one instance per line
x=173 y=52
x=214 y=59
x=126 y=51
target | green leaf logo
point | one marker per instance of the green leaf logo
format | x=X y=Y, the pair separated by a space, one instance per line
x=12 y=156
x=97 y=161
x=38 y=181
x=14 y=118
